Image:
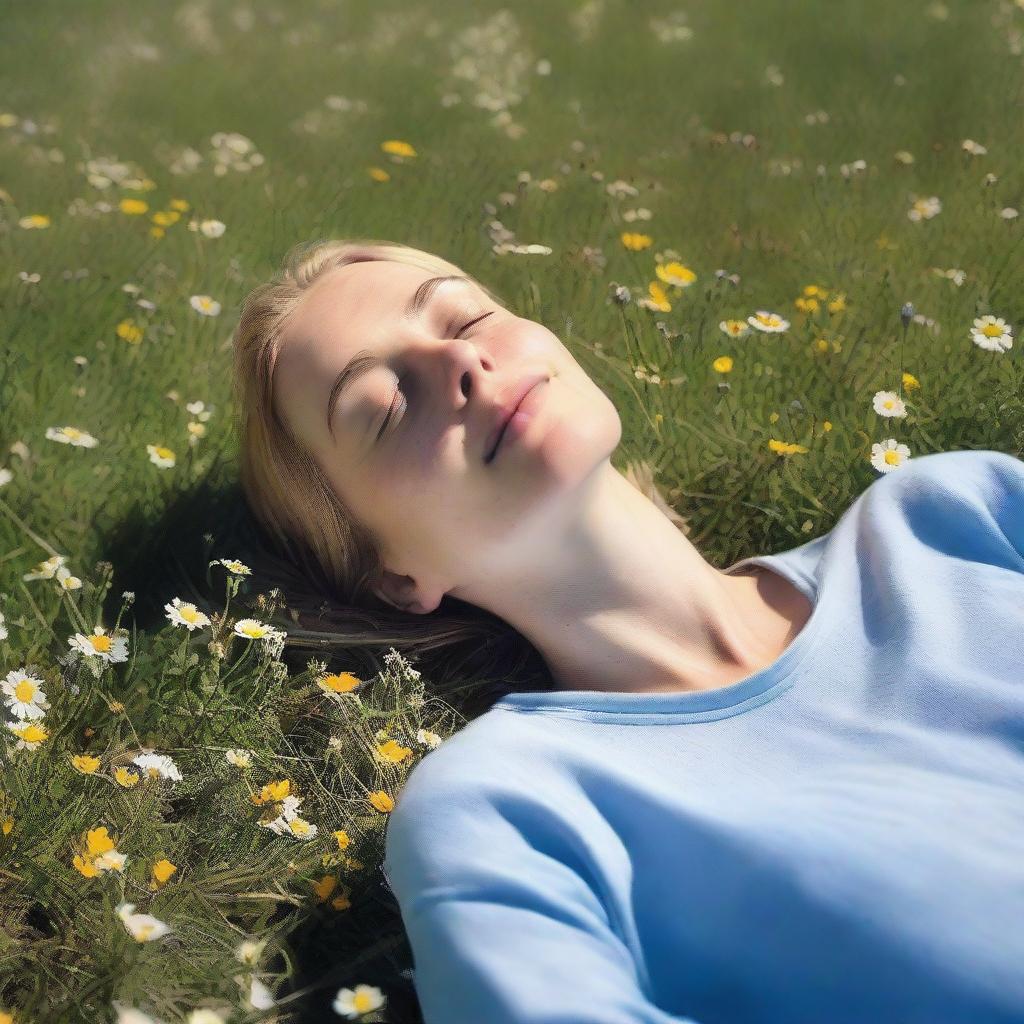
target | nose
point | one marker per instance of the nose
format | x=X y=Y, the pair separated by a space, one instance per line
x=451 y=369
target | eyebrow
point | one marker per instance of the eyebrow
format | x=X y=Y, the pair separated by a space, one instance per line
x=365 y=360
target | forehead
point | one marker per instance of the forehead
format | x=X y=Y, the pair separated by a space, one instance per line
x=348 y=309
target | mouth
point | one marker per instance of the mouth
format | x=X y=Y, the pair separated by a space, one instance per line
x=526 y=386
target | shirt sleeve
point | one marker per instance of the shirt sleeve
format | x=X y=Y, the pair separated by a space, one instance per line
x=502 y=930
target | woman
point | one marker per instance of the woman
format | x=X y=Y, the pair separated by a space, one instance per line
x=790 y=790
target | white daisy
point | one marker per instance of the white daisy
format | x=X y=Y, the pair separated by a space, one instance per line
x=924 y=209
x=109 y=647
x=129 y=1015
x=770 y=323
x=110 y=860
x=141 y=927
x=212 y=228
x=428 y=738
x=1009 y=213
x=992 y=333
x=30 y=734
x=66 y=580
x=974 y=148
x=205 y=305
x=184 y=613
x=248 y=951
x=888 y=403
x=204 y=1016
x=6 y=476
x=253 y=629
x=734 y=328
x=157 y=766
x=200 y=410
x=889 y=455
x=260 y=997
x=239 y=758
x=362 y=999
x=24 y=695
x=161 y=456
x=71 y=435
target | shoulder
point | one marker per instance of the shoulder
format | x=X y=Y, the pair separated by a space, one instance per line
x=969 y=475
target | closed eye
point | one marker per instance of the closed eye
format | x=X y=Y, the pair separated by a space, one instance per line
x=401 y=380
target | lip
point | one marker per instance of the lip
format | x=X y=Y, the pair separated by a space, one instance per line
x=506 y=410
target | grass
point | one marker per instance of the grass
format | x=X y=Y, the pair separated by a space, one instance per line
x=728 y=135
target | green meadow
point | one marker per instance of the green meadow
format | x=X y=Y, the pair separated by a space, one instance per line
x=783 y=236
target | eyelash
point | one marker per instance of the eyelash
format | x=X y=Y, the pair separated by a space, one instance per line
x=388 y=414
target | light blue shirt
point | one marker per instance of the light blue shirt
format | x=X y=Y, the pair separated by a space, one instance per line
x=836 y=839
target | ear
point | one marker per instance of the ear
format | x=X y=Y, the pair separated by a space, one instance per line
x=403 y=593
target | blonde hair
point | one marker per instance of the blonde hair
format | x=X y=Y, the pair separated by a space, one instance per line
x=324 y=560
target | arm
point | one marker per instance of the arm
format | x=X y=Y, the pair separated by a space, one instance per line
x=502 y=931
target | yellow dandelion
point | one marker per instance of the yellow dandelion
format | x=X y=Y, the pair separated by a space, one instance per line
x=397 y=148
x=381 y=801
x=342 y=682
x=85 y=763
x=273 y=792
x=806 y=305
x=635 y=241
x=34 y=220
x=785 y=448
x=378 y=174
x=658 y=298
x=126 y=777
x=181 y=205
x=343 y=840
x=910 y=382
x=165 y=218
x=129 y=331
x=393 y=751
x=133 y=206
x=838 y=304
x=723 y=364
x=84 y=865
x=8 y=824
x=325 y=887
x=676 y=274
x=161 y=872
x=826 y=426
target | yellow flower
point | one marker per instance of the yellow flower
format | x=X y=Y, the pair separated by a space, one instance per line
x=116 y=706
x=7 y=825
x=165 y=218
x=815 y=290
x=325 y=887
x=341 y=902
x=84 y=865
x=273 y=791
x=157 y=232
x=397 y=148
x=393 y=751
x=826 y=425
x=343 y=840
x=31 y=734
x=6 y=1018
x=659 y=298
x=85 y=763
x=723 y=364
x=838 y=304
x=910 y=382
x=785 y=448
x=381 y=801
x=34 y=220
x=125 y=777
x=129 y=331
x=162 y=871
x=378 y=174
x=806 y=305
x=342 y=682
x=182 y=205
x=97 y=841
x=675 y=273
x=133 y=206
x=635 y=241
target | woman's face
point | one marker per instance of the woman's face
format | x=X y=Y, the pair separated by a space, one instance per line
x=405 y=444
